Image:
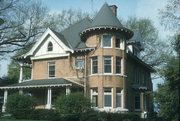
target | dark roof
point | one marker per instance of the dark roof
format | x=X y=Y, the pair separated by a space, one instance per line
x=135 y=58
x=42 y=83
x=62 y=38
x=72 y=33
x=137 y=40
x=106 y=17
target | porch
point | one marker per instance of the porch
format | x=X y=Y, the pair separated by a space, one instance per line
x=44 y=90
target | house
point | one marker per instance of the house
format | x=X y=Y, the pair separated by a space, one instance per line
x=99 y=57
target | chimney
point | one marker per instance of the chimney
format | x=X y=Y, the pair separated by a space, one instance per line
x=114 y=9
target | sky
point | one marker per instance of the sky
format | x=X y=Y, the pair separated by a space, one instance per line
x=126 y=8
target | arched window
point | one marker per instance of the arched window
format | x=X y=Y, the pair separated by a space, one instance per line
x=50 y=46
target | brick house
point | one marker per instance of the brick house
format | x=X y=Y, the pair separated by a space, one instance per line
x=99 y=57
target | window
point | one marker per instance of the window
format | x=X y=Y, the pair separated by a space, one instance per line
x=118 y=97
x=118 y=64
x=94 y=65
x=79 y=64
x=117 y=43
x=50 y=46
x=107 y=64
x=107 y=97
x=94 y=97
x=137 y=102
x=106 y=41
x=51 y=69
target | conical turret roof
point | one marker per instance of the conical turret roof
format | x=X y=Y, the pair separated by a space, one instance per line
x=106 y=17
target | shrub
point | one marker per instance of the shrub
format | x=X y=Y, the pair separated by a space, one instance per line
x=74 y=103
x=20 y=106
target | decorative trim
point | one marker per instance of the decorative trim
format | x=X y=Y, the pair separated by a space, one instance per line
x=35 y=86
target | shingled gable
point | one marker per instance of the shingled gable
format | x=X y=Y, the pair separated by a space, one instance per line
x=59 y=38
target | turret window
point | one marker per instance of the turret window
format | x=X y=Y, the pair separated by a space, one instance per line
x=107 y=64
x=94 y=65
x=106 y=41
x=117 y=43
x=50 y=46
x=118 y=65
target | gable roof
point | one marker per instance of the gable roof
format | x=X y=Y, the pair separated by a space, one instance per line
x=106 y=17
x=72 y=33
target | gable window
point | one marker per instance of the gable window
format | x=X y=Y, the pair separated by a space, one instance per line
x=94 y=97
x=107 y=97
x=50 y=46
x=118 y=97
x=137 y=102
x=51 y=69
x=79 y=64
x=107 y=61
x=118 y=64
x=106 y=41
x=117 y=43
x=94 y=65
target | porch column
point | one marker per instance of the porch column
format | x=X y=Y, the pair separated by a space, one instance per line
x=5 y=100
x=49 y=96
x=21 y=73
x=68 y=90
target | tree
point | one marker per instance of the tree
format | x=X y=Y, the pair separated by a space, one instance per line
x=155 y=51
x=24 y=21
x=167 y=95
x=20 y=106
x=74 y=103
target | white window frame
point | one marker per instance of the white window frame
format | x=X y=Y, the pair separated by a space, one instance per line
x=94 y=93
x=92 y=65
x=107 y=93
x=119 y=94
x=102 y=44
x=49 y=70
x=80 y=60
x=121 y=65
x=111 y=65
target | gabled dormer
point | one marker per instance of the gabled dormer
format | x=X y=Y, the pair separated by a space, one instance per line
x=135 y=44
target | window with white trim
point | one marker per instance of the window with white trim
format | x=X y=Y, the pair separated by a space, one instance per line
x=94 y=97
x=118 y=97
x=137 y=102
x=79 y=64
x=94 y=65
x=108 y=97
x=51 y=69
x=50 y=46
x=118 y=64
x=107 y=41
x=107 y=64
x=145 y=102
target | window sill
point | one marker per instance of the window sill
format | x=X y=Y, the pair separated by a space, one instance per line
x=108 y=75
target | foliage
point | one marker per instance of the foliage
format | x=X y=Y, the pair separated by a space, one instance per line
x=20 y=106
x=170 y=16
x=155 y=51
x=167 y=94
x=74 y=103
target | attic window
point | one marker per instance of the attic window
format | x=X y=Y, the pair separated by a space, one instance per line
x=50 y=46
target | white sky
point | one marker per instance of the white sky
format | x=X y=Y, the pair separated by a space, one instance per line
x=126 y=8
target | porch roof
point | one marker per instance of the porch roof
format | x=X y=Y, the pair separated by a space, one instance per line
x=54 y=82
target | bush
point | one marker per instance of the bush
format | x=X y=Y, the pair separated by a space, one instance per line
x=45 y=114
x=20 y=106
x=75 y=103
